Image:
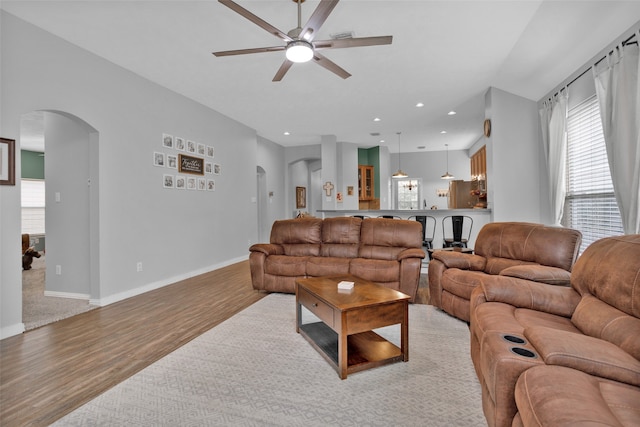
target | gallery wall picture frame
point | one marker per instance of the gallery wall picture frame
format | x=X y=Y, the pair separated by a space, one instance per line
x=301 y=197
x=211 y=185
x=208 y=167
x=180 y=144
x=217 y=169
x=190 y=164
x=191 y=146
x=167 y=140
x=191 y=183
x=210 y=151
x=7 y=161
x=181 y=182
x=168 y=181
x=172 y=161
x=158 y=159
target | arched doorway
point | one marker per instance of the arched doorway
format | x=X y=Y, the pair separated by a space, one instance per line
x=71 y=213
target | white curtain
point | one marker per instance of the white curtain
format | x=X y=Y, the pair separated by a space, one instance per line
x=553 y=117
x=618 y=91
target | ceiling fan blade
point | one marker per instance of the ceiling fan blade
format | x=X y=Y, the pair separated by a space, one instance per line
x=282 y=70
x=247 y=51
x=256 y=20
x=352 y=42
x=317 y=18
x=330 y=65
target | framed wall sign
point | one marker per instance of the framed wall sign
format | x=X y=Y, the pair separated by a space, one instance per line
x=301 y=197
x=7 y=161
x=190 y=164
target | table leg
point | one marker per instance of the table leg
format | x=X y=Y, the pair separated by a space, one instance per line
x=404 y=334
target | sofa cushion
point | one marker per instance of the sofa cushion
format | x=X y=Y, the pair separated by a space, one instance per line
x=375 y=270
x=340 y=237
x=495 y=265
x=298 y=237
x=559 y=396
x=598 y=319
x=584 y=353
x=384 y=239
x=286 y=265
x=327 y=266
x=609 y=270
x=539 y=273
x=537 y=243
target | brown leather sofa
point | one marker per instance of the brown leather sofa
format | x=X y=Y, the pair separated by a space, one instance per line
x=385 y=251
x=553 y=355
x=516 y=249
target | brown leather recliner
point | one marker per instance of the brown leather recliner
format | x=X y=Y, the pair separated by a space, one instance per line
x=384 y=251
x=523 y=327
x=516 y=249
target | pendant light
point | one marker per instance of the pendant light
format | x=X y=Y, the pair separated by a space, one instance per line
x=399 y=174
x=447 y=175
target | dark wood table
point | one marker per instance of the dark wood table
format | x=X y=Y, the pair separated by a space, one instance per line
x=344 y=336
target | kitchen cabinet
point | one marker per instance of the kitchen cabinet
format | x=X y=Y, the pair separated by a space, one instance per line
x=366 y=185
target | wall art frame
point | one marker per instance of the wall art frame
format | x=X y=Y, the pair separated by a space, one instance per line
x=301 y=197
x=7 y=161
x=190 y=164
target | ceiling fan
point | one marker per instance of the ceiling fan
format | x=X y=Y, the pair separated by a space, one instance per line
x=300 y=46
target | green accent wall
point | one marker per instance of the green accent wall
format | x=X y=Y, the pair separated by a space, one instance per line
x=371 y=157
x=32 y=164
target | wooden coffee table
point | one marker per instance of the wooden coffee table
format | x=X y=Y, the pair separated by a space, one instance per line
x=344 y=337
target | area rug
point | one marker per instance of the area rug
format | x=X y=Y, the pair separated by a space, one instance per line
x=254 y=370
x=38 y=309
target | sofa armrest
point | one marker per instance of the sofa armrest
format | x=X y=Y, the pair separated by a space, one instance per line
x=585 y=353
x=520 y=293
x=411 y=253
x=453 y=259
x=267 y=248
x=539 y=273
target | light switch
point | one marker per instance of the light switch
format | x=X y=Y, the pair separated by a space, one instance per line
x=57 y=196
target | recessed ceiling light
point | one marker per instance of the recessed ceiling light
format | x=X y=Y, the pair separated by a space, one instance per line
x=382 y=141
x=377 y=119
x=420 y=104
x=452 y=113
x=287 y=133
x=443 y=131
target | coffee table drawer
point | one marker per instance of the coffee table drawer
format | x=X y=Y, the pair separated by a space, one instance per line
x=316 y=306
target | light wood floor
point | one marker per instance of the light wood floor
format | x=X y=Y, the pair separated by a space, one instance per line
x=48 y=372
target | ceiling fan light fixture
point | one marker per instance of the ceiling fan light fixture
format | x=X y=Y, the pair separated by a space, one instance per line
x=299 y=51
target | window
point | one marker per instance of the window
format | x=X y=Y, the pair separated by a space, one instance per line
x=33 y=206
x=590 y=205
x=408 y=193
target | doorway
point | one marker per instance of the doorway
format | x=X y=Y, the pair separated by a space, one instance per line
x=70 y=216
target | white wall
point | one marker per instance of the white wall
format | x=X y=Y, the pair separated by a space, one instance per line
x=514 y=157
x=175 y=234
x=67 y=143
x=270 y=157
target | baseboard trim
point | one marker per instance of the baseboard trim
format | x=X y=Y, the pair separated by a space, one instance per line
x=71 y=295
x=9 y=331
x=161 y=283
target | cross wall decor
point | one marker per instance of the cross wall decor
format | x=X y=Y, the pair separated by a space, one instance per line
x=328 y=186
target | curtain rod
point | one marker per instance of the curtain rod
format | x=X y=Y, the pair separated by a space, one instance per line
x=625 y=42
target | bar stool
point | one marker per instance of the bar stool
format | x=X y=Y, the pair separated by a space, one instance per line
x=458 y=228
x=428 y=229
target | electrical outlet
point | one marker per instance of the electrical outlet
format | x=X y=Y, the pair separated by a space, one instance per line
x=58 y=270
x=139 y=266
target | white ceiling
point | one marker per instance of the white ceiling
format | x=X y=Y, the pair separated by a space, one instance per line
x=445 y=53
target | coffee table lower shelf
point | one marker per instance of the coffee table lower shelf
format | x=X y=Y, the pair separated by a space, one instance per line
x=365 y=350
